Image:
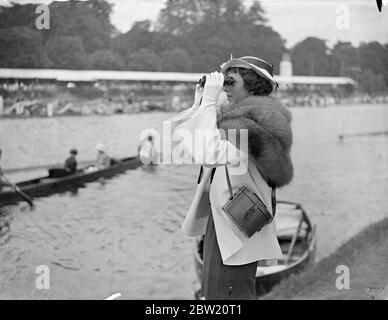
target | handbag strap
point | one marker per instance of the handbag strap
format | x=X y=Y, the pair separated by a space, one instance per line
x=273 y=200
x=229 y=184
x=273 y=192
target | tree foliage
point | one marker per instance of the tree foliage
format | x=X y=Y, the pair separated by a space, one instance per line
x=179 y=17
x=310 y=57
x=66 y=52
x=143 y=60
x=188 y=36
x=105 y=59
x=21 y=47
x=176 y=60
x=88 y=20
x=18 y=15
x=367 y=64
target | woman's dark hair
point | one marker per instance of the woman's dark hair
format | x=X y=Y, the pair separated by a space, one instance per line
x=255 y=84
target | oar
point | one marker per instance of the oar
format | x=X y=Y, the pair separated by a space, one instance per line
x=24 y=196
x=20 y=193
x=341 y=136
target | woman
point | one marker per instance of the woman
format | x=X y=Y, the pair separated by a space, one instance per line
x=103 y=161
x=259 y=160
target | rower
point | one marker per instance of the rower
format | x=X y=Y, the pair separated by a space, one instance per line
x=103 y=160
x=71 y=162
x=3 y=180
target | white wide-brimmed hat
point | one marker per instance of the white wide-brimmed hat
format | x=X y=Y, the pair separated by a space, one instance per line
x=261 y=67
x=100 y=147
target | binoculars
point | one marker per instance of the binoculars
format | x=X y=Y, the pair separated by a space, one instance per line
x=228 y=81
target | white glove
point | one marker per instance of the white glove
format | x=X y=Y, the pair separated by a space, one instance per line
x=213 y=87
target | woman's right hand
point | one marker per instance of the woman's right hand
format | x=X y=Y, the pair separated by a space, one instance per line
x=213 y=87
x=198 y=96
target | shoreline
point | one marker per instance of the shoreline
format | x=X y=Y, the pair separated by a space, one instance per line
x=159 y=109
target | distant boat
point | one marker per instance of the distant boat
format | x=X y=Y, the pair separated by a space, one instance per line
x=59 y=180
x=297 y=239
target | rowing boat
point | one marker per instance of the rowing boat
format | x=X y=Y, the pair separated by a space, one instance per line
x=297 y=239
x=58 y=180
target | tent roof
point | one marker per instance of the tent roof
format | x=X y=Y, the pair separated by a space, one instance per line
x=96 y=75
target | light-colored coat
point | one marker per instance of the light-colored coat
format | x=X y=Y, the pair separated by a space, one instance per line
x=235 y=248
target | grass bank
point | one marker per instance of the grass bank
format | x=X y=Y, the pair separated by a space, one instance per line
x=366 y=256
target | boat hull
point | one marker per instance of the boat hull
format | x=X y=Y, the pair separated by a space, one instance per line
x=45 y=186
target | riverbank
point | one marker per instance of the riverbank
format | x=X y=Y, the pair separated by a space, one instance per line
x=366 y=256
x=39 y=100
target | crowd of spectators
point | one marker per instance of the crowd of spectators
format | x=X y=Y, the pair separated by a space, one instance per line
x=50 y=98
x=323 y=99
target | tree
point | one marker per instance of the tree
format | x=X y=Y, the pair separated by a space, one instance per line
x=87 y=20
x=66 y=52
x=374 y=56
x=21 y=47
x=256 y=14
x=179 y=17
x=18 y=15
x=310 y=57
x=232 y=12
x=140 y=37
x=238 y=39
x=345 y=59
x=371 y=82
x=106 y=59
x=210 y=31
x=177 y=60
x=143 y=60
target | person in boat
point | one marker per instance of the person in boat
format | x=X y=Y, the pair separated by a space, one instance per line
x=4 y=182
x=230 y=258
x=145 y=149
x=71 y=161
x=103 y=160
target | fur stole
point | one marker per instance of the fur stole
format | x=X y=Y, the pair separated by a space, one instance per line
x=269 y=135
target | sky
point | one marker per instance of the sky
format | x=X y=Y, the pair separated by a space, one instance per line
x=347 y=20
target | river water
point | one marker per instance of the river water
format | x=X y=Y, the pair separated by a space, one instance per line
x=123 y=234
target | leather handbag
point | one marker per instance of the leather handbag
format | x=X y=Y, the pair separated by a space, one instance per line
x=247 y=210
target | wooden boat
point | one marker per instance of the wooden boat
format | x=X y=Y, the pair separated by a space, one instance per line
x=59 y=180
x=297 y=239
